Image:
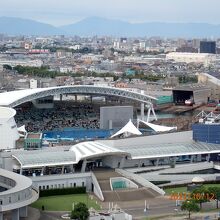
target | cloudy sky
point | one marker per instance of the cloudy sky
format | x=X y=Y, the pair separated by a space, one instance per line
x=59 y=12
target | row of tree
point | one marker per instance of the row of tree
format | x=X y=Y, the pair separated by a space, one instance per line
x=199 y=196
x=45 y=72
x=188 y=79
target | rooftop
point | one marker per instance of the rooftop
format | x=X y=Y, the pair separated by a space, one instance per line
x=191 y=87
x=34 y=135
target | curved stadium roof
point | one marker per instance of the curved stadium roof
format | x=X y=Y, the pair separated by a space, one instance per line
x=14 y=98
x=81 y=151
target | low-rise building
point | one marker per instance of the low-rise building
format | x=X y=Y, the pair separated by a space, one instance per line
x=203 y=58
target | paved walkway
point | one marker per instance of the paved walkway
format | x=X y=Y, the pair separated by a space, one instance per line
x=173 y=174
x=194 y=216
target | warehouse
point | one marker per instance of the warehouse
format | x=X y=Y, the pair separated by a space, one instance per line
x=196 y=92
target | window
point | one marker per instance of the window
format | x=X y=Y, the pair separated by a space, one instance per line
x=74 y=184
x=83 y=183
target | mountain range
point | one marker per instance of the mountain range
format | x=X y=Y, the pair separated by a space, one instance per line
x=108 y=27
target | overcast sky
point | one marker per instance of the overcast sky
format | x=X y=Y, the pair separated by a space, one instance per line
x=59 y=12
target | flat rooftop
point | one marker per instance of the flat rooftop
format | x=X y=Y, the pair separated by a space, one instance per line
x=191 y=87
x=34 y=135
x=162 y=145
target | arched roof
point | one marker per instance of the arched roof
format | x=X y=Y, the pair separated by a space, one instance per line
x=14 y=98
x=92 y=149
x=60 y=156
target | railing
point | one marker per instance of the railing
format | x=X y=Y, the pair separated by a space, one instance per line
x=140 y=180
x=97 y=189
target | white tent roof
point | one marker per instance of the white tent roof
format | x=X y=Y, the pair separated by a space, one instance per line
x=197 y=179
x=22 y=129
x=92 y=149
x=129 y=128
x=159 y=128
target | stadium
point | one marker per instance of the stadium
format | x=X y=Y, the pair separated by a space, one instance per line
x=51 y=142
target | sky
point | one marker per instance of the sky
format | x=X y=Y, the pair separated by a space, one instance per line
x=61 y=12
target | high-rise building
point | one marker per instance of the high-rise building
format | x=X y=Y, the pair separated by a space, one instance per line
x=208 y=47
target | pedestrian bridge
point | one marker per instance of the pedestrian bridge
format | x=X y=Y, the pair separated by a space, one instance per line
x=15 y=98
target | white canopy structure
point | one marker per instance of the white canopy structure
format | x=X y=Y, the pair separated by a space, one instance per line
x=22 y=129
x=198 y=179
x=127 y=130
x=157 y=128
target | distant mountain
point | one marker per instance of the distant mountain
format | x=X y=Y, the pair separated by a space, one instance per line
x=101 y=26
x=19 y=26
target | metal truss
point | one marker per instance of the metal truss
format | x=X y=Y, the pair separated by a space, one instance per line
x=85 y=90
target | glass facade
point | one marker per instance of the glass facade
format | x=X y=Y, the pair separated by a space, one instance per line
x=208 y=47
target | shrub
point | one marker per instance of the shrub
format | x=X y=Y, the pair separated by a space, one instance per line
x=63 y=191
x=80 y=212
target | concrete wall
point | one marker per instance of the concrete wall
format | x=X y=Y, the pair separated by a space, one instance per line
x=117 y=116
x=97 y=189
x=111 y=161
x=211 y=82
x=63 y=181
x=201 y=96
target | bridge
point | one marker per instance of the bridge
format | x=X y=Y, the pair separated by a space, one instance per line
x=15 y=98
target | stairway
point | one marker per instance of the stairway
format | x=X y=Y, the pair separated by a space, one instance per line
x=103 y=178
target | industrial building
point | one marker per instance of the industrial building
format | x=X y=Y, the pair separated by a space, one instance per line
x=196 y=92
x=213 y=83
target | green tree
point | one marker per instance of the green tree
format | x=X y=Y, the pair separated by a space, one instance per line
x=215 y=192
x=200 y=195
x=190 y=206
x=80 y=212
x=7 y=67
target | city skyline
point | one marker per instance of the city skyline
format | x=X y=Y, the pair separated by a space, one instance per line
x=67 y=11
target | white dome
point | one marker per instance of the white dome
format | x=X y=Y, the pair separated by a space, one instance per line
x=197 y=179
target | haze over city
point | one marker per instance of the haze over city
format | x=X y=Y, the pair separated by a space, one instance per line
x=67 y=11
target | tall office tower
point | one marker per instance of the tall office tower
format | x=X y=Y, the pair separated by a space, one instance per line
x=208 y=47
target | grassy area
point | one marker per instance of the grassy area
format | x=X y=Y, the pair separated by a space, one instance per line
x=64 y=203
x=184 y=188
x=176 y=190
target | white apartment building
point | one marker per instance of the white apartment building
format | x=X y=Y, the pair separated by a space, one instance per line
x=13 y=63
x=204 y=58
